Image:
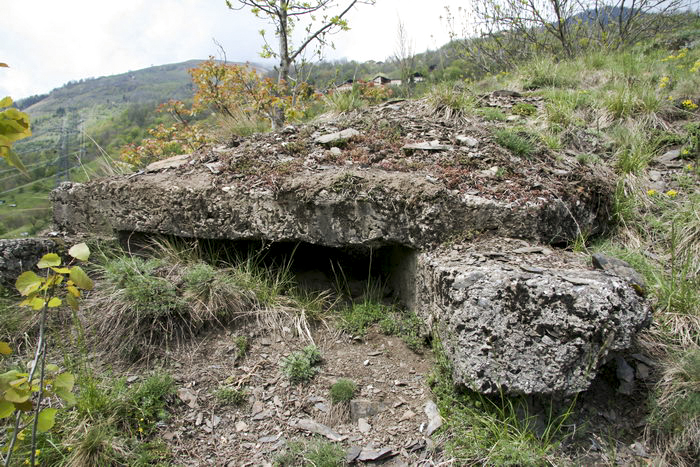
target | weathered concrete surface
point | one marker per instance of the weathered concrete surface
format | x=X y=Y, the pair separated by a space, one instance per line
x=19 y=255
x=333 y=208
x=525 y=323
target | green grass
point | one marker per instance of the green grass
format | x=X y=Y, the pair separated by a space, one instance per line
x=314 y=453
x=498 y=430
x=524 y=108
x=451 y=100
x=357 y=318
x=675 y=416
x=491 y=114
x=518 y=143
x=112 y=423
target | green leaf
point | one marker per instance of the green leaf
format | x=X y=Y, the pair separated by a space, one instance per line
x=81 y=279
x=5 y=101
x=16 y=395
x=66 y=395
x=65 y=381
x=28 y=282
x=55 y=302
x=51 y=367
x=6 y=409
x=5 y=348
x=48 y=260
x=80 y=251
x=47 y=418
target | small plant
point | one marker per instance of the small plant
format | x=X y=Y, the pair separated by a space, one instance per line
x=343 y=391
x=521 y=145
x=450 y=101
x=408 y=326
x=22 y=394
x=302 y=366
x=231 y=396
x=242 y=345
x=588 y=159
x=524 y=108
x=356 y=319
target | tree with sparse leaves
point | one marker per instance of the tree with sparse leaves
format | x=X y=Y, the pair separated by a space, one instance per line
x=284 y=16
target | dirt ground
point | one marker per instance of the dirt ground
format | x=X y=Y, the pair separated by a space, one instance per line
x=391 y=381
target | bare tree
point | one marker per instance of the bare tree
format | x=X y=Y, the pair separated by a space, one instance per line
x=284 y=16
x=498 y=33
x=404 y=55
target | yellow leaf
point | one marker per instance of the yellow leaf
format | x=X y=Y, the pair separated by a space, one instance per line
x=37 y=303
x=5 y=349
x=65 y=381
x=80 y=251
x=61 y=270
x=48 y=260
x=55 y=302
x=73 y=290
x=28 y=282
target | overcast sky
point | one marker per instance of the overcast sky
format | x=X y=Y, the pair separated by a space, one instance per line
x=48 y=43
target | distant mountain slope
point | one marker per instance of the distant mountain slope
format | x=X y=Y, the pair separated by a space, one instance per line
x=86 y=102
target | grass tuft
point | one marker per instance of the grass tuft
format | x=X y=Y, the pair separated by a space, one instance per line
x=343 y=391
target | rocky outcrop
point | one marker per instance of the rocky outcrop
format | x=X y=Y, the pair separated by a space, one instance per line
x=514 y=317
x=335 y=208
x=19 y=255
x=525 y=323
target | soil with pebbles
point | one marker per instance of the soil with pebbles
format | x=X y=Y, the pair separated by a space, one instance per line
x=388 y=418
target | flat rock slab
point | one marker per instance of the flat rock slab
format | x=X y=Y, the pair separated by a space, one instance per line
x=525 y=324
x=335 y=208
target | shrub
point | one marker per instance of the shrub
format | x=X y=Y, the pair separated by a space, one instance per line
x=343 y=391
x=302 y=365
x=230 y=396
x=524 y=108
x=147 y=303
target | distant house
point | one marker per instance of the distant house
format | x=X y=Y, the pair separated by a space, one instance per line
x=346 y=86
x=417 y=77
x=382 y=80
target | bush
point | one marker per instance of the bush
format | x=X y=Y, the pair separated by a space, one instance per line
x=343 y=391
x=230 y=396
x=524 y=108
x=147 y=303
x=302 y=365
